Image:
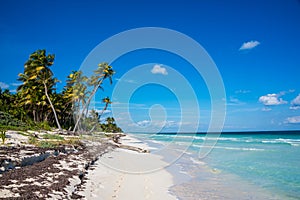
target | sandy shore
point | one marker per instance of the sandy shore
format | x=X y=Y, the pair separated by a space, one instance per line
x=125 y=174
x=92 y=170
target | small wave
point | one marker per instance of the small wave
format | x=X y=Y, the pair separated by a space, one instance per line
x=183 y=172
x=292 y=142
x=240 y=148
x=269 y=141
x=231 y=148
x=158 y=142
x=198 y=162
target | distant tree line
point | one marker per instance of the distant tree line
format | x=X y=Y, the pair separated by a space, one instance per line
x=36 y=101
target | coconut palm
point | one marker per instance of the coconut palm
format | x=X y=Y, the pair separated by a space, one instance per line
x=75 y=92
x=38 y=75
x=107 y=101
x=103 y=72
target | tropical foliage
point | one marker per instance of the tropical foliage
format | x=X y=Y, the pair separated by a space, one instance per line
x=37 y=103
x=110 y=126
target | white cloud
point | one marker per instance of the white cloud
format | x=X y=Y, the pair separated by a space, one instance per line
x=293 y=120
x=160 y=124
x=295 y=103
x=125 y=80
x=272 y=100
x=291 y=90
x=157 y=69
x=242 y=91
x=4 y=85
x=286 y=92
x=16 y=84
x=266 y=109
x=143 y=123
x=233 y=101
x=249 y=45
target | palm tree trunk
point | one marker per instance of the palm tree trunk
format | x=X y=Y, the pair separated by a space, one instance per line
x=34 y=115
x=105 y=107
x=53 y=109
x=86 y=104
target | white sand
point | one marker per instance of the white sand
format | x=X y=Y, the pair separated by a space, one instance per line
x=124 y=174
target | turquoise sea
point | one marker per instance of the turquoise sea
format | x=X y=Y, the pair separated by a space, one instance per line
x=247 y=165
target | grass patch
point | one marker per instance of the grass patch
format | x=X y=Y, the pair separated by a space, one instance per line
x=47 y=144
x=72 y=141
x=32 y=140
x=53 y=137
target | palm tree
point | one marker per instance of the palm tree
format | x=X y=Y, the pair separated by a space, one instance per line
x=103 y=72
x=28 y=94
x=75 y=92
x=94 y=114
x=37 y=75
x=107 y=101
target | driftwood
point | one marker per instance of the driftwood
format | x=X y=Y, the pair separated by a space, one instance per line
x=132 y=148
x=116 y=138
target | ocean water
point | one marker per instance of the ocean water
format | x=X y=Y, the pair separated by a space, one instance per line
x=264 y=165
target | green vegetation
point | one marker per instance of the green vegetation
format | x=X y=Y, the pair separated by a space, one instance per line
x=110 y=126
x=9 y=120
x=53 y=137
x=53 y=140
x=32 y=140
x=47 y=144
x=3 y=135
x=37 y=105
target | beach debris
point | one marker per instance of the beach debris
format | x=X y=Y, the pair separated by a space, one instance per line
x=30 y=172
x=115 y=137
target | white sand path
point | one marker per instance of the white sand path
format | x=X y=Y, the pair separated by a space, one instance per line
x=124 y=174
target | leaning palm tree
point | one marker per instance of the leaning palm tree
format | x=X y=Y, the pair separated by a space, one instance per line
x=103 y=72
x=75 y=93
x=107 y=101
x=37 y=74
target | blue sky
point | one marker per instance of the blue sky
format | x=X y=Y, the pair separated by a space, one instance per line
x=254 y=44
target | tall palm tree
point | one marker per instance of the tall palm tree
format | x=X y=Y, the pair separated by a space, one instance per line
x=103 y=72
x=75 y=92
x=38 y=75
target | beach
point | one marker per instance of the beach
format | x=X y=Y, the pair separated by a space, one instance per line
x=95 y=170
x=125 y=174
x=145 y=166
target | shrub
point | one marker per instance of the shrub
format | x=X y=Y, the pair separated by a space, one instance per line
x=9 y=120
x=43 y=126
x=3 y=135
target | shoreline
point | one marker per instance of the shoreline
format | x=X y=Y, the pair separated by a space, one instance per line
x=119 y=166
x=101 y=169
x=195 y=178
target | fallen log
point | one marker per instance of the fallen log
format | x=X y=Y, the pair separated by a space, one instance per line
x=116 y=141
x=132 y=148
